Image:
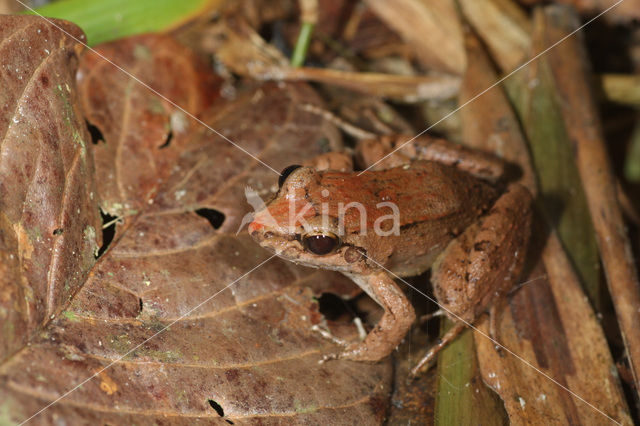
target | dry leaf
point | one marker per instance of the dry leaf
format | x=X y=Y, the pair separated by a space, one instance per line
x=247 y=355
x=50 y=227
x=135 y=131
x=557 y=357
x=432 y=28
x=504 y=27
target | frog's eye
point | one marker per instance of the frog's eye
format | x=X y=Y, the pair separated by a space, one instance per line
x=320 y=244
x=285 y=174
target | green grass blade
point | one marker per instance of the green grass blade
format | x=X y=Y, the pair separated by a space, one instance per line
x=463 y=398
x=302 y=45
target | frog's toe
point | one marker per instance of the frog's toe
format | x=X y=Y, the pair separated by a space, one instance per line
x=328 y=357
x=360 y=351
x=325 y=333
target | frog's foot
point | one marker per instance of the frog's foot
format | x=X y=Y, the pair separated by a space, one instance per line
x=392 y=327
x=433 y=351
x=354 y=352
x=326 y=333
x=362 y=334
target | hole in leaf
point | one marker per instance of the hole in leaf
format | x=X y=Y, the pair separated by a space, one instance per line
x=215 y=217
x=96 y=134
x=216 y=407
x=168 y=141
x=108 y=231
x=141 y=305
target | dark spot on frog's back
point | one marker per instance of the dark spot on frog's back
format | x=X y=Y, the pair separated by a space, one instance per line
x=482 y=245
x=44 y=80
x=406 y=226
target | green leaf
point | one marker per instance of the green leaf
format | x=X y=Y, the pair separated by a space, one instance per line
x=105 y=20
x=562 y=198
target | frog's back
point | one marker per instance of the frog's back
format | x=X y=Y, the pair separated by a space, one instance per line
x=423 y=191
x=427 y=191
x=435 y=204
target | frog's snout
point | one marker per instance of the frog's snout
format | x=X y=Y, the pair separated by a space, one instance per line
x=258 y=232
x=254 y=228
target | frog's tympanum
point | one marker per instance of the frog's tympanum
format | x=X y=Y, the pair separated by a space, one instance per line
x=432 y=205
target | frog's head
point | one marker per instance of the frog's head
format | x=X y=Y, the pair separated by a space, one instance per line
x=293 y=226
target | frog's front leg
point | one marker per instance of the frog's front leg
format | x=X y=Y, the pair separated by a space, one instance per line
x=479 y=267
x=394 y=324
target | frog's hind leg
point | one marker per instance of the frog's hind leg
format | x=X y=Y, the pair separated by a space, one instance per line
x=433 y=351
x=494 y=317
x=477 y=269
x=393 y=151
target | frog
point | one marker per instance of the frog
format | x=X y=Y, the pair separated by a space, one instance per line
x=425 y=205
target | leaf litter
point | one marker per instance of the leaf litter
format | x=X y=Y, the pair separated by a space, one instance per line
x=249 y=353
x=172 y=193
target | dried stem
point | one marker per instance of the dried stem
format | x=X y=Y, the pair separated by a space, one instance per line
x=569 y=66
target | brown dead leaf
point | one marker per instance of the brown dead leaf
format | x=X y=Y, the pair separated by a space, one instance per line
x=248 y=354
x=556 y=367
x=9 y=6
x=570 y=68
x=137 y=133
x=432 y=28
x=503 y=26
x=49 y=219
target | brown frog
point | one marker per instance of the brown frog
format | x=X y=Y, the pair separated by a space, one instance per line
x=431 y=205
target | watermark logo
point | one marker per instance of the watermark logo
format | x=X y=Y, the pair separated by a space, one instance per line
x=386 y=213
x=258 y=205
